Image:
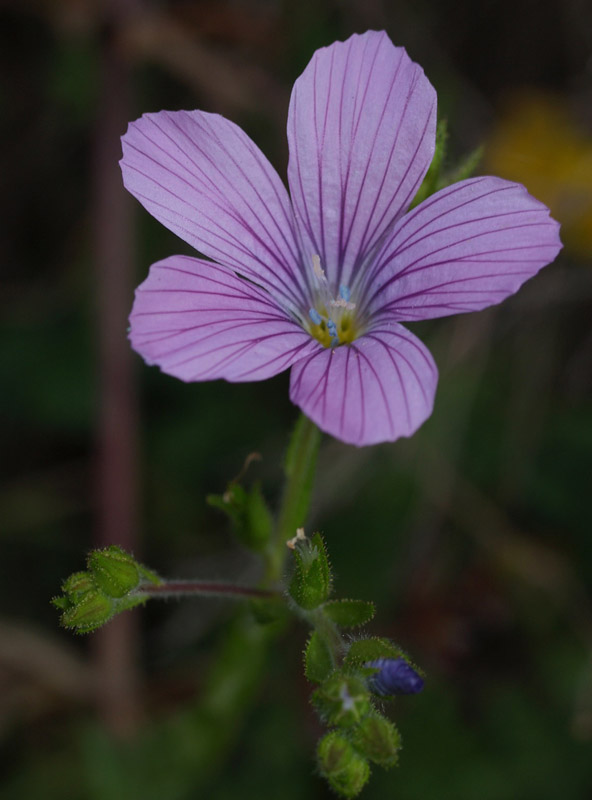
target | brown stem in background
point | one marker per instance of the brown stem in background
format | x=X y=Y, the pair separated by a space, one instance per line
x=116 y=645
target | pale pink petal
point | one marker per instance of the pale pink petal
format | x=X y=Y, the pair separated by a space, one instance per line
x=199 y=321
x=202 y=177
x=361 y=130
x=464 y=248
x=375 y=390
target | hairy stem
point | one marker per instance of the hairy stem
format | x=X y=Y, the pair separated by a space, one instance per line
x=301 y=461
x=180 y=589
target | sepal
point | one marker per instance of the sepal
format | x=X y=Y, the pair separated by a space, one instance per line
x=349 y=613
x=432 y=180
x=112 y=583
x=89 y=612
x=344 y=768
x=311 y=582
x=75 y=587
x=318 y=662
x=342 y=700
x=252 y=521
x=363 y=650
x=114 y=571
x=378 y=739
x=466 y=168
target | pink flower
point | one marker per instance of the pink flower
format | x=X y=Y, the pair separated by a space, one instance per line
x=321 y=280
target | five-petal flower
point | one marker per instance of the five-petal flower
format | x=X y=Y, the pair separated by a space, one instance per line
x=321 y=280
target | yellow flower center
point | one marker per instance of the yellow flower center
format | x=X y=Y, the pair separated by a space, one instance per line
x=345 y=328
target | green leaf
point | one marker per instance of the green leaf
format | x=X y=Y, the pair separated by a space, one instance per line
x=318 y=662
x=378 y=739
x=345 y=769
x=369 y=649
x=465 y=169
x=349 y=613
x=311 y=583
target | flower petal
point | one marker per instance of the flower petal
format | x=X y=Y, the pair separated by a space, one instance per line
x=377 y=389
x=202 y=177
x=464 y=248
x=199 y=321
x=361 y=130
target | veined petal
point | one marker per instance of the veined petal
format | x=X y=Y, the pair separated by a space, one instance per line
x=199 y=321
x=361 y=130
x=464 y=248
x=376 y=389
x=201 y=176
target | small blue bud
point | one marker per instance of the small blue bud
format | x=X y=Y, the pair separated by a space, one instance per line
x=395 y=676
x=344 y=293
x=315 y=316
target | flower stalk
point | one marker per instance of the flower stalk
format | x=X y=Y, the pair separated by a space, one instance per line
x=300 y=469
x=179 y=589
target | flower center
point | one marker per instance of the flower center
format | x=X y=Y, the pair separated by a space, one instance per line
x=332 y=319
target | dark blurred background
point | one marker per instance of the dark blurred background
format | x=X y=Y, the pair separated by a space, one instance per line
x=474 y=537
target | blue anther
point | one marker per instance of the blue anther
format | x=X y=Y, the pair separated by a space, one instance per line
x=332 y=328
x=335 y=341
x=344 y=293
x=315 y=316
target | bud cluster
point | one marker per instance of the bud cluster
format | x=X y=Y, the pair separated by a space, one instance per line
x=111 y=584
x=348 y=675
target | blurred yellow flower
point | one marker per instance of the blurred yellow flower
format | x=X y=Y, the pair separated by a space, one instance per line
x=538 y=143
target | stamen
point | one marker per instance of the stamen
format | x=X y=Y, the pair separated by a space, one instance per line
x=315 y=316
x=341 y=303
x=343 y=300
x=332 y=315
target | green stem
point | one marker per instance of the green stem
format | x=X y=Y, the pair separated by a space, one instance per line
x=301 y=460
x=329 y=632
x=167 y=589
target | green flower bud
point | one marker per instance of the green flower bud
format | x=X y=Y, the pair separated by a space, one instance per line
x=76 y=586
x=89 y=613
x=311 y=583
x=378 y=739
x=251 y=518
x=345 y=769
x=114 y=571
x=259 y=520
x=342 y=700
